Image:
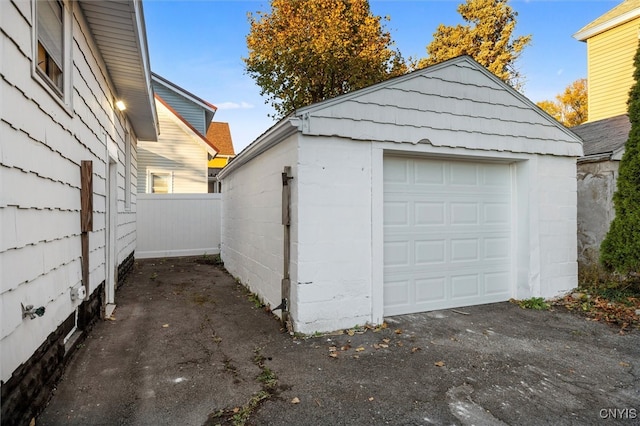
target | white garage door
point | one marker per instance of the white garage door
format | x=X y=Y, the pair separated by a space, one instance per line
x=447 y=234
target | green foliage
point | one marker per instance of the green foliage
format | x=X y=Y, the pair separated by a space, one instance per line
x=305 y=51
x=536 y=303
x=570 y=107
x=620 y=250
x=487 y=37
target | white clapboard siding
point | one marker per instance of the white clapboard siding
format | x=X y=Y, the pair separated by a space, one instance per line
x=42 y=146
x=178 y=224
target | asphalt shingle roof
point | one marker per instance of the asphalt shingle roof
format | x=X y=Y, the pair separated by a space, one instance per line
x=220 y=135
x=604 y=136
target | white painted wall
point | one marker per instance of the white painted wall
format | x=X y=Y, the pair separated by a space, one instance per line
x=178 y=225
x=43 y=142
x=252 y=230
x=333 y=287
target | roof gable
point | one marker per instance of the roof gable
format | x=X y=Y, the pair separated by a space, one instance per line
x=457 y=103
x=185 y=102
x=186 y=127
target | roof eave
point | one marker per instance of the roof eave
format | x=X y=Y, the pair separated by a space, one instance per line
x=588 y=32
x=272 y=137
x=133 y=85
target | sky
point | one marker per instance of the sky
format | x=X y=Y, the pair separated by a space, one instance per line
x=199 y=45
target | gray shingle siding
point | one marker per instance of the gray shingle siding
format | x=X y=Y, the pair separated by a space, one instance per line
x=191 y=112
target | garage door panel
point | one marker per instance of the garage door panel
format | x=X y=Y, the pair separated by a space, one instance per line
x=396 y=253
x=430 y=252
x=429 y=290
x=429 y=213
x=464 y=286
x=447 y=234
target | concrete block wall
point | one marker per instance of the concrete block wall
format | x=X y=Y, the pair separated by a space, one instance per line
x=252 y=231
x=557 y=196
x=333 y=288
x=596 y=186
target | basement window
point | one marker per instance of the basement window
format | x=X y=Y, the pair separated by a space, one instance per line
x=50 y=43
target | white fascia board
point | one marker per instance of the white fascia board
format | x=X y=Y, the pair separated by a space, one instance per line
x=618 y=20
x=182 y=92
x=272 y=137
x=195 y=136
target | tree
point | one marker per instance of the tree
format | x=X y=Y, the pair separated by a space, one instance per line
x=570 y=107
x=305 y=51
x=620 y=250
x=487 y=38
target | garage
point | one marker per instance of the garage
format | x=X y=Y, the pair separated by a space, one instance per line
x=438 y=189
x=447 y=234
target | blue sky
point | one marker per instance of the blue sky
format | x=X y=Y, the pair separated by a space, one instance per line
x=199 y=46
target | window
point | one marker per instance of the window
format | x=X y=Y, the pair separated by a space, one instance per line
x=160 y=182
x=50 y=42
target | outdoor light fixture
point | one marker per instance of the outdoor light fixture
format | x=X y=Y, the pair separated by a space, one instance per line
x=120 y=105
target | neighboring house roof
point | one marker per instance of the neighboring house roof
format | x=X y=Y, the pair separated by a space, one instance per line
x=207 y=144
x=210 y=109
x=455 y=104
x=220 y=135
x=119 y=32
x=624 y=12
x=604 y=138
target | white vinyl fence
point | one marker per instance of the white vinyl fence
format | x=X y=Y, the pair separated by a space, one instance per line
x=171 y=225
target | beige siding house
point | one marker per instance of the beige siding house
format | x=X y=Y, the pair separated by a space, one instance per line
x=177 y=163
x=74 y=99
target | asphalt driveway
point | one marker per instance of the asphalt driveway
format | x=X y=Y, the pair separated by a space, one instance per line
x=189 y=346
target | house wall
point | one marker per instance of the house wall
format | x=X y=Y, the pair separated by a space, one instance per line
x=610 y=69
x=333 y=289
x=191 y=112
x=175 y=151
x=42 y=146
x=596 y=186
x=252 y=230
x=178 y=225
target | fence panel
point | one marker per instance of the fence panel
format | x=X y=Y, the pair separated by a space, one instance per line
x=172 y=225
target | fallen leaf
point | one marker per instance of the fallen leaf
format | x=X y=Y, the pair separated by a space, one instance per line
x=332 y=349
x=236 y=409
x=351 y=332
x=356 y=356
x=398 y=331
x=333 y=355
x=386 y=340
x=370 y=398
x=165 y=325
x=295 y=400
x=414 y=350
x=376 y=346
x=400 y=344
x=360 y=349
x=624 y=364
x=439 y=364
x=346 y=347
x=384 y=345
